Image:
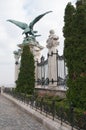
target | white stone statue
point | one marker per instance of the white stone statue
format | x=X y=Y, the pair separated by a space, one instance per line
x=52 y=40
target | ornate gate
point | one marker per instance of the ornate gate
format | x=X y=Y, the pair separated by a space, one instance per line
x=42 y=73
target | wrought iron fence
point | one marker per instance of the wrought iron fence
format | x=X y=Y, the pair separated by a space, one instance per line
x=42 y=72
x=50 y=109
x=42 y=69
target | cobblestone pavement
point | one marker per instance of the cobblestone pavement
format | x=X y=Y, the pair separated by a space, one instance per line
x=13 y=118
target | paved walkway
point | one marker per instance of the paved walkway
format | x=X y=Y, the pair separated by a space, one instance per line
x=13 y=118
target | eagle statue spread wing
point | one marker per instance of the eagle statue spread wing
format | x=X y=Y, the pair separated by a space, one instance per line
x=28 y=29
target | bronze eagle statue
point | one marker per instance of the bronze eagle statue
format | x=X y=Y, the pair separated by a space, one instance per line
x=28 y=29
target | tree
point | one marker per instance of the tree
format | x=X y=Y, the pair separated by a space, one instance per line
x=26 y=79
x=68 y=32
x=74 y=52
x=68 y=19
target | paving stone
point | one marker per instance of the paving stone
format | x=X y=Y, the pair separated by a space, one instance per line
x=13 y=118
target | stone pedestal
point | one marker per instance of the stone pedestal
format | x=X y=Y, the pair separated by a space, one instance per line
x=34 y=46
x=52 y=43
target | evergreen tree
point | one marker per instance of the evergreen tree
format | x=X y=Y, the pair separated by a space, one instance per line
x=26 y=79
x=68 y=19
x=74 y=52
x=68 y=31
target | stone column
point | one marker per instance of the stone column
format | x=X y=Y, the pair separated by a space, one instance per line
x=52 y=43
x=2 y=89
x=17 y=55
x=35 y=49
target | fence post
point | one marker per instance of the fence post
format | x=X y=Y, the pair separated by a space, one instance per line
x=32 y=101
x=53 y=110
x=72 y=116
x=61 y=115
x=41 y=104
x=46 y=107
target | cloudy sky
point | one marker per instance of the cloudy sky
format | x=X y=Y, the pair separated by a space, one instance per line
x=11 y=35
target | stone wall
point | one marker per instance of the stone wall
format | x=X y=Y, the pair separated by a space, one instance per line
x=43 y=91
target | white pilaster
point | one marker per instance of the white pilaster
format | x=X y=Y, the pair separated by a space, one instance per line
x=52 y=43
x=36 y=50
x=17 y=64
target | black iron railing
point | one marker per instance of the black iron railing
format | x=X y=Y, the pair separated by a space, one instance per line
x=50 y=109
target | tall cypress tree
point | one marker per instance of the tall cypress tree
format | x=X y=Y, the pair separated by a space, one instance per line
x=26 y=79
x=74 y=52
x=68 y=19
x=68 y=32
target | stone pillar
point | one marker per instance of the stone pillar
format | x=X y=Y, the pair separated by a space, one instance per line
x=2 y=89
x=35 y=49
x=17 y=55
x=52 y=43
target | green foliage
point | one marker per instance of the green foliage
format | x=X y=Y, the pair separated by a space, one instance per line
x=26 y=79
x=62 y=109
x=74 y=51
x=68 y=18
x=77 y=92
